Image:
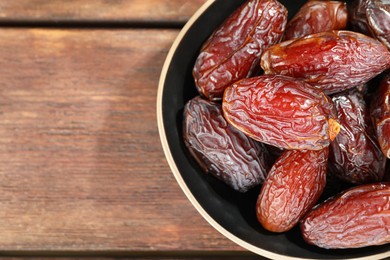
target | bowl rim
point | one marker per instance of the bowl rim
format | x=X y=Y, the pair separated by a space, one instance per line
x=175 y=171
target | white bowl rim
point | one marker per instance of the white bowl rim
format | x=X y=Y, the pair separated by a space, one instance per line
x=176 y=173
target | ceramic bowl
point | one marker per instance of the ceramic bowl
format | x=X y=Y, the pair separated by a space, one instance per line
x=231 y=213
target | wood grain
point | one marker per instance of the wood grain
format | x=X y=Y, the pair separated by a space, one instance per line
x=81 y=164
x=98 y=10
x=140 y=256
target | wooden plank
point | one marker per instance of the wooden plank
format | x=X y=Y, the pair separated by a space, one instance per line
x=160 y=256
x=81 y=164
x=99 y=10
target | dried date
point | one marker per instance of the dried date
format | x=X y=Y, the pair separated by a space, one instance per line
x=281 y=111
x=233 y=51
x=355 y=155
x=220 y=149
x=292 y=187
x=372 y=17
x=333 y=61
x=317 y=16
x=358 y=217
x=380 y=111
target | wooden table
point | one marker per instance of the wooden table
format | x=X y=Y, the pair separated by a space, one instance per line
x=82 y=171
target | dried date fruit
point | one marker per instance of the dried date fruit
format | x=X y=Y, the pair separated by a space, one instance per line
x=333 y=61
x=371 y=17
x=281 y=111
x=355 y=155
x=220 y=149
x=233 y=51
x=358 y=217
x=317 y=16
x=292 y=187
x=380 y=111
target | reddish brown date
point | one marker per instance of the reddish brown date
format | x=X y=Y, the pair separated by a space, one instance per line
x=333 y=61
x=292 y=187
x=372 y=17
x=317 y=16
x=355 y=155
x=281 y=111
x=233 y=51
x=220 y=149
x=380 y=111
x=356 y=218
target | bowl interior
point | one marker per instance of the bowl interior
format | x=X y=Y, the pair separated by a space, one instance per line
x=233 y=211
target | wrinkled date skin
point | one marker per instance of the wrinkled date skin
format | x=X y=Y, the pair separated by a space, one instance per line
x=355 y=155
x=233 y=51
x=372 y=17
x=292 y=187
x=315 y=17
x=220 y=149
x=281 y=111
x=380 y=111
x=358 y=217
x=333 y=61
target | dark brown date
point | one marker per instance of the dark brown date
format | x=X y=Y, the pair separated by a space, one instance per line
x=358 y=217
x=372 y=17
x=220 y=149
x=380 y=111
x=292 y=187
x=233 y=51
x=355 y=155
x=317 y=16
x=333 y=61
x=281 y=111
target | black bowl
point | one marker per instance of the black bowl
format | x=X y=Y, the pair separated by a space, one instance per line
x=231 y=213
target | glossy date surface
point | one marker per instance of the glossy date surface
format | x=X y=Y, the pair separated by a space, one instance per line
x=292 y=187
x=333 y=61
x=233 y=51
x=317 y=16
x=380 y=111
x=220 y=149
x=355 y=218
x=355 y=155
x=372 y=17
x=281 y=111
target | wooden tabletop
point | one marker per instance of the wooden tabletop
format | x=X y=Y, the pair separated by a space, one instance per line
x=82 y=170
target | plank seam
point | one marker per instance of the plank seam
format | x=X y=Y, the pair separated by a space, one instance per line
x=92 y=24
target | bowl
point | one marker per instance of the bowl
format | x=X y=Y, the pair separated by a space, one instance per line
x=231 y=213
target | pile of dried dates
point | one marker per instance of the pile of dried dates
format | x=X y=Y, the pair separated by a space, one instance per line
x=292 y=104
